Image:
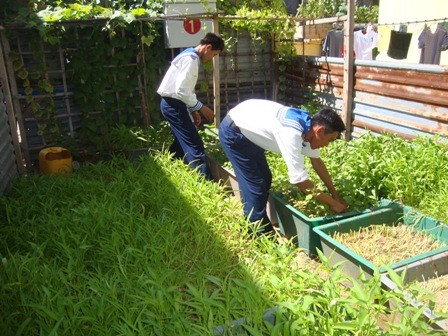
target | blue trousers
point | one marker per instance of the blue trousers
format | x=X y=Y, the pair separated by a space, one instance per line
x=187 y=142
x=251 y=170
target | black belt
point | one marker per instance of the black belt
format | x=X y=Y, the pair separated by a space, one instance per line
x=173 y=100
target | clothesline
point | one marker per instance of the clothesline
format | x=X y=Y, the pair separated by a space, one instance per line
x=411 y=22
x=369 y=41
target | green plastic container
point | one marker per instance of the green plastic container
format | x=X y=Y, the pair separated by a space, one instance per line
x=294 y=223
x=388 y=213
x=226 y=176
x=421 y=270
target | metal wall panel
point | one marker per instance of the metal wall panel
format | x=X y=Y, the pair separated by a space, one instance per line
x=8 y=166
x=245 y=72
x=406 y=99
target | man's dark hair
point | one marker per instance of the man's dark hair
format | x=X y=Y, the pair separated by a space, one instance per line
x=214 y=40
x=329 y=119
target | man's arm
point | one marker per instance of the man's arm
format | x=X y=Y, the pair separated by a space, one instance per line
x=322 y=172
x=308 y=187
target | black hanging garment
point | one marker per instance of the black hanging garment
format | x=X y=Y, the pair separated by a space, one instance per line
x=399 y=44
x=292 y=6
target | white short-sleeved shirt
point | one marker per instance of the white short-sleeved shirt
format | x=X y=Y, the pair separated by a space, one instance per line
x=278 y=128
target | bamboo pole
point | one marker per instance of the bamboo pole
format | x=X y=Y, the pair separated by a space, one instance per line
x=201 y=16
x=66 y=95
x=347 y=91
x=216 y=79
x=143 y=87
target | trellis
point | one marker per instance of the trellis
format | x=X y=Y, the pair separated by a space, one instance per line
x=56 y=69
x=246 y=69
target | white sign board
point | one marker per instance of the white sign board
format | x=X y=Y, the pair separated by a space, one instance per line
x=183 y=31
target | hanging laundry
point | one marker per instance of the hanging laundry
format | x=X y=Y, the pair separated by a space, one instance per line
x=292 y=6
x=399 y=44
x=432 y=44
x=364 y=42
x=444 y=25
x=334 y=43
x=384 y=37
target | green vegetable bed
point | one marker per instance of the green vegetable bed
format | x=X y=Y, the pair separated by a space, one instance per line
x=148 y=248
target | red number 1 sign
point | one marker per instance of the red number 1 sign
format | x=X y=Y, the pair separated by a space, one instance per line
x=192 y=26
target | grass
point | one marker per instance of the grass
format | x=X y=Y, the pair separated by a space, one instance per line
x=111 y=239
x=148 y=248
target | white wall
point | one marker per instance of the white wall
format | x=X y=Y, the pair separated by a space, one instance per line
x=403 y=11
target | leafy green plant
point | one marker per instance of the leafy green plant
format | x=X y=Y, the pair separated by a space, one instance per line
x=211 y=142
x=37 y=89
x=312 y=9
x=98 y=56
x=312 y=104
x=155 y=136
x=388 y=166
x=369 y=168
x=264 y=20
x=366 y=14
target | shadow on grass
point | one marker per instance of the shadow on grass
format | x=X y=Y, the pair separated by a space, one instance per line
x=123 y=248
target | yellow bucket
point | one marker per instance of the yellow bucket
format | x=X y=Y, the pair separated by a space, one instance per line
x=55 y=160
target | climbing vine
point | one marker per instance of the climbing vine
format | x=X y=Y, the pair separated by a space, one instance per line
x=37 y=88
x=267 y=23
x=111 y=58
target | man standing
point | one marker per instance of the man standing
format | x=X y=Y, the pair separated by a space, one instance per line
x=256 y=125
x=180 y=106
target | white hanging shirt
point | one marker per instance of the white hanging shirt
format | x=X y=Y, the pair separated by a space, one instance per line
x=363 y=44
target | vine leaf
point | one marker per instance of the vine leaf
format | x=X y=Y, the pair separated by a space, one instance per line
x=148 y=40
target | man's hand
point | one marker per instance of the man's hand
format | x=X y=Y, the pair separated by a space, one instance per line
x=207 y=113
x=196 y=118
x=339 y=199
x=336 y=203
x=338 y=207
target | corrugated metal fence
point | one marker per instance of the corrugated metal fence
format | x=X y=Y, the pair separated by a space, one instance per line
x=8 y=165
x=405 y=99
x=246 y=71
